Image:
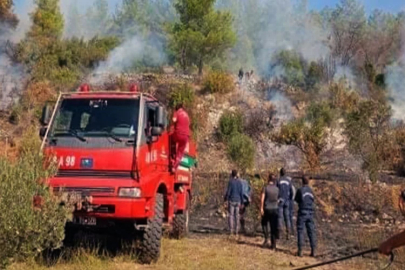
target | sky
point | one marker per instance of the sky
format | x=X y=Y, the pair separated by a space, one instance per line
x=387 y=5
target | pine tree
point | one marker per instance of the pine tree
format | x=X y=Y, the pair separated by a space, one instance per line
x=202 y=34
x=47 y=21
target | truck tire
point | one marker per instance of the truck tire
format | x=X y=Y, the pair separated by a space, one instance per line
x=149 y=250
x=181 y=221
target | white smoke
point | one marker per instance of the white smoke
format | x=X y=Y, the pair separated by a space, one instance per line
x=395 y=81
x=12 y=75
x=276 y=25
x=282 y=105
x=86 y=19
x=345 y=73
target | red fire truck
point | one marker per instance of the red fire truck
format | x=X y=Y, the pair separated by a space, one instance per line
x=114 y=154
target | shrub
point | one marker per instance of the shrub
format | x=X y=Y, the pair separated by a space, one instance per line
x=241 y=151
x=16 y=113
x=218 y=82
x=230 y=123
x=25 y=230
x=183 y=93
x=257 y=122
x=308 y=134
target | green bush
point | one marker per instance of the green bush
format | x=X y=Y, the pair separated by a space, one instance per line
x=230 y=123
x=219 y=82
x=25 y=230
x=241 y=151
x=183 y=93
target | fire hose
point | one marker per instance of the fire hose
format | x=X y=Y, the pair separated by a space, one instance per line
x=348 y=257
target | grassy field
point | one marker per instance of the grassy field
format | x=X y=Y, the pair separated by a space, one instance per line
x=203 y=253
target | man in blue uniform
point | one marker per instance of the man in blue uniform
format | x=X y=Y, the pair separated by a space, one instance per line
x=285 y=193
x=291 y=209
x=305 y=199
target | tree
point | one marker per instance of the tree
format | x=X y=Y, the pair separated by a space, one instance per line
x=367 y=128
x=47 y=22
x=201 y=35
x=98 y=19
x=348 y=24
x=6 y=14
x=74 y=22
x=308 y=133
x=386 y=28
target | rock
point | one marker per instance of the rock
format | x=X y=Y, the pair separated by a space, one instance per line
x=377 y=221
x=340 y=220
x=385 y=216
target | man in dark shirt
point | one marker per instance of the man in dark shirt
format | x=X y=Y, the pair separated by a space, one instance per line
x=285 y=187
x=305 y=199
x=269 y=211
x=234 y=197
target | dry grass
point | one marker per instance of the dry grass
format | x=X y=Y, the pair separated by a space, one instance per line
x=206 y=253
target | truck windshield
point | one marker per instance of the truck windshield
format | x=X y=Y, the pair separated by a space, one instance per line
x=83 y=119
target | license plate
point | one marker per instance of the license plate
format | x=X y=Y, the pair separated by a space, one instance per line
x=89 y=221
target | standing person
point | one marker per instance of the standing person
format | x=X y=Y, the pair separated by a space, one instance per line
x=181 y=133
x=240 y=75
x=397 y=240
x=234 y=197
x=269 y=211
x=305 y=199
x=245 y=203
x=291 y=209
x=285 y=187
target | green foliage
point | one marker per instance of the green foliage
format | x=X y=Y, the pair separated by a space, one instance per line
x=47 y=22
x=63 y=61
x=314 y=75
x=230 y=124
x=309 y=133
x=202 y=34
x=367 y=127
x=292 y=65
x=219 y=82
x=184 y=94
x=25 y=231
x=241 y=151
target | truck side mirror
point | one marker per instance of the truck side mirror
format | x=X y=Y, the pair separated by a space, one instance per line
x=42 y=132
x=160 y=116
x=46 y=115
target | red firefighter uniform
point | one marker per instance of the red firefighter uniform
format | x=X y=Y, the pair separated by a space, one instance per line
x=181 y=134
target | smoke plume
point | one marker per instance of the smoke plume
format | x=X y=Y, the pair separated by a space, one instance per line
x=276 y=25
x=395 y=83
x=12 y=75
x=395 y=80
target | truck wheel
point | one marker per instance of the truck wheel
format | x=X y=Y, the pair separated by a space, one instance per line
x=70 y=236
x=149 y=250
x=181 y=221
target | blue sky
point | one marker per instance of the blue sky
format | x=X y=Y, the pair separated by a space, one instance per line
x=387 y=5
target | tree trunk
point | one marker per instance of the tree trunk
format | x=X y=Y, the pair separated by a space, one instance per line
x=200 y=67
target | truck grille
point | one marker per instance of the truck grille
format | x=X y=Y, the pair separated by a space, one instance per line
x=93 y=173
x=86 y=190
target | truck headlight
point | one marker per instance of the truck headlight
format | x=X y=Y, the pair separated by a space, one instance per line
x=129 y=192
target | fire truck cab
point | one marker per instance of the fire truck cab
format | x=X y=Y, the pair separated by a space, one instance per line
x=113 y=151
